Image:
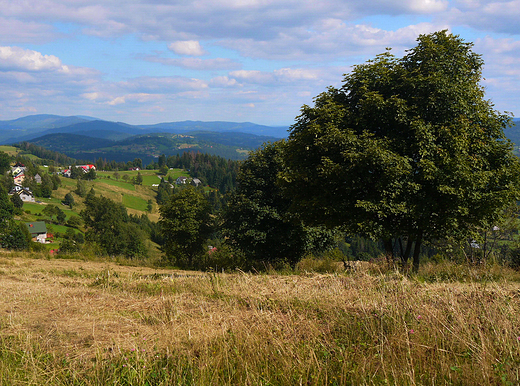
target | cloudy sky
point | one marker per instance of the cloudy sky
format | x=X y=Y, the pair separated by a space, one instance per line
x=150 y=61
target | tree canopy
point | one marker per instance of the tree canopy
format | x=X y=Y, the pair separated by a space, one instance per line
x=186 y=224
x=108 y=225
x=407 y=150
x=257 y=220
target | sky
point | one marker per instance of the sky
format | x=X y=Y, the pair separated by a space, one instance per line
x=151 y=61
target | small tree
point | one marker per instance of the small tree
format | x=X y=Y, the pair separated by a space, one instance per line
x=186 y=224
x=69 y=200
x=138 y=179
x=81 y=188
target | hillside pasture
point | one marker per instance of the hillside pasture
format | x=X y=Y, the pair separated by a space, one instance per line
x=10 y=150
x=134 y=202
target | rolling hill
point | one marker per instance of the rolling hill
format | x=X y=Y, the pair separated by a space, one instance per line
x=35 y=126
x=149 y=147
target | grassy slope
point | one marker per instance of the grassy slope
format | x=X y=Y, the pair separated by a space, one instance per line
x=76 y=322
x=134 y=198
x=11 y=150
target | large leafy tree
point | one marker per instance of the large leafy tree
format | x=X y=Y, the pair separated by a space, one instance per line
x=257 y=220
x=407 y=150
x=186 y=224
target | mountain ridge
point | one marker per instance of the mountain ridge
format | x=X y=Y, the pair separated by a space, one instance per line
x=34 y=126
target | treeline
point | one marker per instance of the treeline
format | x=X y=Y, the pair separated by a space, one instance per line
x=215 y=171
x=48 y=156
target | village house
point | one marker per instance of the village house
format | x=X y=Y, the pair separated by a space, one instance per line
x=181 y=180
x=38 y=231
x=85 y=168
x=25 y=193
x=19 y=179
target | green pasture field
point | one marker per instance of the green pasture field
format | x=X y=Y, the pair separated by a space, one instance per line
x=134 y=202
x=10 y=150
x=119 y=183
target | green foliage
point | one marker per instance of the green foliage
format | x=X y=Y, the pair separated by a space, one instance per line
x=55 y=214
x=74 y=221
x=108 y=225
x=56 y=180
x=76 y=173
x=164 y=192
x=257 y=220
x=5 y=162
x=90 y=175
x=81 y=188
x=217 y=172
x=69 y=200
x=46 y=186
x=17 y=201
x=138 y=180
x=6 y=206
x=407 y=149
x=186 y=224
x=11 y=234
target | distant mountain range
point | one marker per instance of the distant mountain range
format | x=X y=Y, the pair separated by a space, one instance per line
x=89 y=138
x=33 y=126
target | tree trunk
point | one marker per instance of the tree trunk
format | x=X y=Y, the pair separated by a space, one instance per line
x=389 y=249
x=416 y=251
x=406 y=255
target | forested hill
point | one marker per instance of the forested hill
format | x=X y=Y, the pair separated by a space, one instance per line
x=513 y=133
x=149 y=147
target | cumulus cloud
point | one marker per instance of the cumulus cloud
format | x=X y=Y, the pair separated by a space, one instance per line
x=332 y=38
x=187 y=47
x=187 y=22
x=223 y=81
x=16 y=58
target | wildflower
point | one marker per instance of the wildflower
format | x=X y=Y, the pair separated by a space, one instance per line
x=411 y=331
x=419 y=317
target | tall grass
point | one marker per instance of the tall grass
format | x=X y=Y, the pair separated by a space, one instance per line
x=89 y=323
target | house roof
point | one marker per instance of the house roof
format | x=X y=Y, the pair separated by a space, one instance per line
x=37 y=227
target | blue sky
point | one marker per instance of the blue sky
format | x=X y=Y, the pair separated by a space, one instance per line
x=150 y=61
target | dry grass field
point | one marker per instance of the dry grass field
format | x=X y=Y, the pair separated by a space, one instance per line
x=73 y=322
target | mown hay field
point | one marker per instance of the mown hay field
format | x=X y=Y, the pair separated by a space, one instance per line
x=66 y=322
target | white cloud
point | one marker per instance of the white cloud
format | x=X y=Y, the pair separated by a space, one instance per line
x=187 y=47
x=223 y=81
x=16 y=58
